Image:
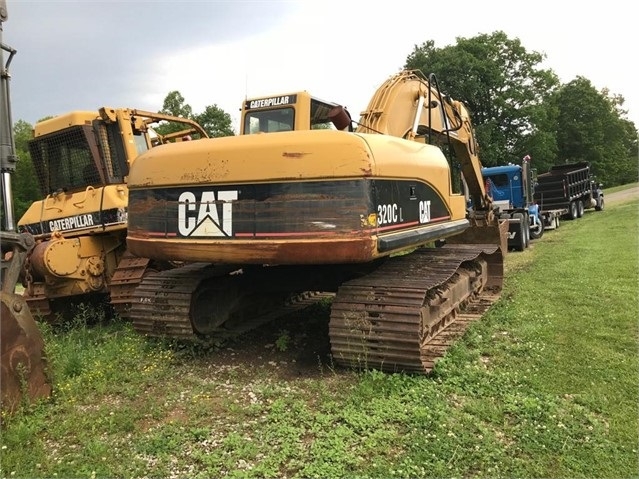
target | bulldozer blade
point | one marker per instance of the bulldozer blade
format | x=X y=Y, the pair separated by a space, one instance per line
x=23 y=364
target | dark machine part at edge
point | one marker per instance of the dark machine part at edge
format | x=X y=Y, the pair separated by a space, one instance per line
x=23 y=365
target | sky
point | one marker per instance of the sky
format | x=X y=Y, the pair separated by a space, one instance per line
x=85 y=54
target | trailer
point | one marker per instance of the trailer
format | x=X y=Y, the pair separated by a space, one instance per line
x=566 y=191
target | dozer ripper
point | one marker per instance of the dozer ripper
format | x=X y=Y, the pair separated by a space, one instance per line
x=23 y=366
x=375 y=215
x=82 y=160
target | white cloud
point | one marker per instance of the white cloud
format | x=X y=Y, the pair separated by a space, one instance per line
x=344 y=53
x=218 y=52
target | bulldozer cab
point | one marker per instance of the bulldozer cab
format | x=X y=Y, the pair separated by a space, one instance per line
x=288 y=112
x=74 y=151
x=80 y=149
x=82 y=159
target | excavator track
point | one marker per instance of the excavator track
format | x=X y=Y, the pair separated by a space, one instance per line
x=163 y=305
x=162 y=301
x=405 y=315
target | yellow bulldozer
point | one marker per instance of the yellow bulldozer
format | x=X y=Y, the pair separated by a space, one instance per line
x=82 y=160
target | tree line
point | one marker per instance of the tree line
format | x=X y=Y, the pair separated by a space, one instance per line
x=518 y=108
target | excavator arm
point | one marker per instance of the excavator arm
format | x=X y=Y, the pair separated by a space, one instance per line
x=412 y=107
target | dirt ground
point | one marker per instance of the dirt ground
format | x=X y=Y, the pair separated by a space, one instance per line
x=293 y=347
x=623 y=195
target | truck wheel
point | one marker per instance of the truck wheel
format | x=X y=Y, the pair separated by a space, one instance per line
x=573 y=210
x=600 y=204
x=580 y=208
x=537 y=231
x=520 y=239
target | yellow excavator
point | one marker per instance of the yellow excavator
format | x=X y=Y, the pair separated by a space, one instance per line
x=377 y=215
x=81 y=160
x=24 y=375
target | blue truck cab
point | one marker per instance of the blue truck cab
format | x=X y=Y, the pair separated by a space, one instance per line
x=511 y=189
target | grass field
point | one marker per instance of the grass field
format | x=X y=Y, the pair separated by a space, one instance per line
x=545 y=385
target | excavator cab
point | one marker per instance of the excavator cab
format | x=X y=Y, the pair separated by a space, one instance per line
x=286 y=112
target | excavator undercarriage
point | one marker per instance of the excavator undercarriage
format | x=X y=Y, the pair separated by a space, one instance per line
x=405 y=315
x=397 y=314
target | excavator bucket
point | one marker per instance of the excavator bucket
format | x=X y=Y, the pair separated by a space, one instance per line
x=23 y=365
x=24 y=377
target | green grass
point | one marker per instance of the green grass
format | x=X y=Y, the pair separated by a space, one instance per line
x=545 y=385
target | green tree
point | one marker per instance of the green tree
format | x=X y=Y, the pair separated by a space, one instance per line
x=174 y=105
x=504 y=88
x=215 y=121
x=24 y=183
x=589 y=127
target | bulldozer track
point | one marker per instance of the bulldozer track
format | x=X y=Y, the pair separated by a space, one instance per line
x=126 y=278
x=39 y=304
x=405 y=315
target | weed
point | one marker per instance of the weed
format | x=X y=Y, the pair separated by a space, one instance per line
x=283 y=341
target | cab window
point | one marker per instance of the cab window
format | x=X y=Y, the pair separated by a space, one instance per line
x=319 y=115
x=269 y=121
x=499 y=180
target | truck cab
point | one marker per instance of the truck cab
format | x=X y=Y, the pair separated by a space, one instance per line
x=511 y=188
x=506 y=185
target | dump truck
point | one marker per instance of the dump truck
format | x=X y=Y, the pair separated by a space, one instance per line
x=566 y=191
x=511 y=187
x=375 y=214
